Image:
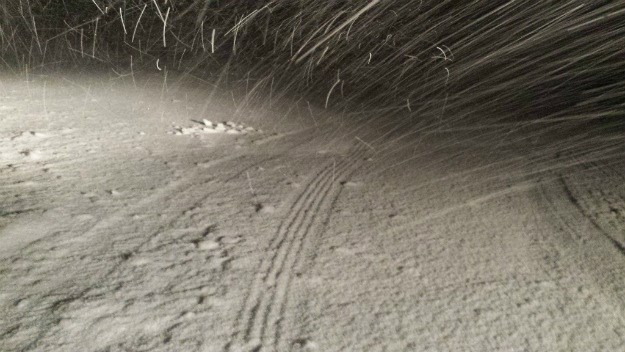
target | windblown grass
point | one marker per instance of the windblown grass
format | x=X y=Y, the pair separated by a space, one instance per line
x=474 y=62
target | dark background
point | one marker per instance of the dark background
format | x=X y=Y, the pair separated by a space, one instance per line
x=446 y=62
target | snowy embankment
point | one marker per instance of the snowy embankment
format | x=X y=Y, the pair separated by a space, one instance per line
x=122 y=231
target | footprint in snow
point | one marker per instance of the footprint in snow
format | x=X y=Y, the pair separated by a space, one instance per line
x=230 y=240
x=22 y=304
x=32 y=154
x=29 y=135
x=352 y=184
x=305 y=345
x=211 y=245
x=265 y=209
x=187 y=315
x=221 y=261
x=83 y=217
x=207 y=245
x=139 y=261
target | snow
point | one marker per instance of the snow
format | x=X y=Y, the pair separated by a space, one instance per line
x=118 y=235
x=208 y=127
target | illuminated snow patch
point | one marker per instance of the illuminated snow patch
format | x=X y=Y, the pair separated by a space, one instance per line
x=209 y=127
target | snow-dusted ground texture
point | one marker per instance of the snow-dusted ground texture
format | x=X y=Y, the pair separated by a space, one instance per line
x=128 y=224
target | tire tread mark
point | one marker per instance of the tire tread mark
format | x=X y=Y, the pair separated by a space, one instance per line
x=262 y=309
x=285 y=272
x=571 y=197
x=299 y=207
x=301 y=260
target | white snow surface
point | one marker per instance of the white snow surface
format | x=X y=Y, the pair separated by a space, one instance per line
x=116 y=235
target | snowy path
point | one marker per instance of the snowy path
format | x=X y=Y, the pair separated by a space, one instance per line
x=117 y=235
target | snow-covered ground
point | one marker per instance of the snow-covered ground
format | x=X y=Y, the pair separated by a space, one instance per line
x=128 y=223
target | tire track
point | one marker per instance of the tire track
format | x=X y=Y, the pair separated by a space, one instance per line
x=304 y=260
x=258 y=323
x=580 y=246
x=608 y=169
x=616 y=208
x=602 y=205
x=274 y=316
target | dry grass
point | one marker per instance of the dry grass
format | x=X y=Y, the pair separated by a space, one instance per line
x=447 y=62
